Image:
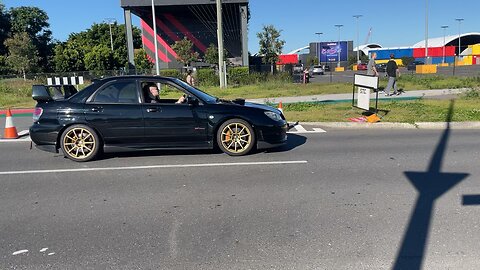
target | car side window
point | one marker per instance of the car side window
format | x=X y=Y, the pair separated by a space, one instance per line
x=168 y=93
x=118 y=92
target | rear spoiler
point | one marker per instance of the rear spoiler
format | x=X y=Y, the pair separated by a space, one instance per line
x=46 y=93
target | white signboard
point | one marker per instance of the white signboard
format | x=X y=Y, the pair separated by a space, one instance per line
x=363 y=98
x=366 y=81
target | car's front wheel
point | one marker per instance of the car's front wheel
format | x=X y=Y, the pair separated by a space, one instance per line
x=236 y=137
x=80 y=143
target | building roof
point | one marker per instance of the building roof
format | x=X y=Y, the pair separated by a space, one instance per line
x=145 y=3
x=467 y=39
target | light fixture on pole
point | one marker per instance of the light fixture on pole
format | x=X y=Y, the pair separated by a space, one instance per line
x=157 y=65
x=358 y=43
x=459 y=20
x=319 y=47
x=444 y=27
x=339 y=47
x=110 y=21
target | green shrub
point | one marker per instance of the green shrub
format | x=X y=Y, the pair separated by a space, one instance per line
x=207 y=77
x=174 y=73
x=238 y=76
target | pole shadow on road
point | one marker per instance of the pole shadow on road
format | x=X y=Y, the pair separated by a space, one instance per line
x=430 y=186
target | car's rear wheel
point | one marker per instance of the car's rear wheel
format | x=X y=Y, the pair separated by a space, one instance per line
x=80 y=143
x=236 y=137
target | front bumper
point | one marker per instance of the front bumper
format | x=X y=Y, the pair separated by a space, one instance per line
x=272 y=136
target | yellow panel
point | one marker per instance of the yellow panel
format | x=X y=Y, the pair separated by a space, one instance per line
x=399 y=61
x=467 y=61
x=425 y=69
x=339 y=69
x=355 y=67
x=476 y=49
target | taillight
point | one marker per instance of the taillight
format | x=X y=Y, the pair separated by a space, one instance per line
x=37 y=113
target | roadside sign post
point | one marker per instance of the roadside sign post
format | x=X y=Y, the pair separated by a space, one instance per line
x=365 y=84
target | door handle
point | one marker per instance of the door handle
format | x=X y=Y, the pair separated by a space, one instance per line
x=96 y=109
x=152 y=110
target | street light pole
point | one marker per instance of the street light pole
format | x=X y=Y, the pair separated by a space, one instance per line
x=157 y=65
x=339 y=47
x=110 y=21
x=444 y=27
x=319 y=48
x=459 y=20
x=358 y=42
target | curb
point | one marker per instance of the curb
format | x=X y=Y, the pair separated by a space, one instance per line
x=419 y=125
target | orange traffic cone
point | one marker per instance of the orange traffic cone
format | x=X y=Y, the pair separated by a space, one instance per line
x=10 y=130
x=280 y=106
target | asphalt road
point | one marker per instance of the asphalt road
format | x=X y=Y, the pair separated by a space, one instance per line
x=344 y=202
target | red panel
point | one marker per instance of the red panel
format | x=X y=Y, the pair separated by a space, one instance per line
x=284 y=59
x=434 y=51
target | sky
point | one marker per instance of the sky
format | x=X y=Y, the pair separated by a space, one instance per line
x=392 y=23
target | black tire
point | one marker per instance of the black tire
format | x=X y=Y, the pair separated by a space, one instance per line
x=236 y=137
x=80 y=143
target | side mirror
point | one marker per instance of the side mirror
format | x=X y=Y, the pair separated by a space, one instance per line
x=192 y=100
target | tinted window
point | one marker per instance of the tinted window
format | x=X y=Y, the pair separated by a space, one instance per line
x=118 y=92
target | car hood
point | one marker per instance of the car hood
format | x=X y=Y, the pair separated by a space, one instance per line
x=242 y=102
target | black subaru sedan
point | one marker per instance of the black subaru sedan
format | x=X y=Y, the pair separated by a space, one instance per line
x=149 y=112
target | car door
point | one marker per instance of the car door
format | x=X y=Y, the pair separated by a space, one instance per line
x=173 y=125
x=115 y=110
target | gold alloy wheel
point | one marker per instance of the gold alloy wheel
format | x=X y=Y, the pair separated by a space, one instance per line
x=79 y=143
x=236 y=138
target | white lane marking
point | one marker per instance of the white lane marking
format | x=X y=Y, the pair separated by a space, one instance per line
x=20 y=252
x=51 y=253
x=27 y=139
x=43 y=249
x=300 y=130
x=23 y=133
x=319 y=130
x=156 y=167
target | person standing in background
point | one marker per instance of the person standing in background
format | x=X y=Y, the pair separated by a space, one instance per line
x=371 y=69
x=190 y=79
x=392 y=73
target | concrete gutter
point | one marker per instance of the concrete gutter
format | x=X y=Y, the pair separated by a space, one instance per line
x=386 y=125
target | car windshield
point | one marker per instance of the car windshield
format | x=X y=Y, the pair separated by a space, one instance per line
x=197 y=92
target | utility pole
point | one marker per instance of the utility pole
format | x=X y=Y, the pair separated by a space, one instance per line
x=459 y=20
x=427 y=60
x=110 y=21
x=221 y=64
x=444 y=27
x=358 y=42
x=339 y=47
x=154 y=18
x=319 y=48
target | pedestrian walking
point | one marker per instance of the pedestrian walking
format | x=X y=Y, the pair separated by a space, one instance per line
x=392 y=73
x=371 y=69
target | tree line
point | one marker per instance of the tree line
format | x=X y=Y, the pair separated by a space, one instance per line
x=27 y=46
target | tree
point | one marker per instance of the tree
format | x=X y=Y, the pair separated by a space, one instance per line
x=4 y=28
x=68 y=57
x=71 y=55
x=142 y=62
x=270 y=44
x=184 y=50
x=211 y=55
x=34 y=22
x=22 y=54
x=99 y=58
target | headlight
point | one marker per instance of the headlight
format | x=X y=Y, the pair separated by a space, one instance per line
x=274 y=116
